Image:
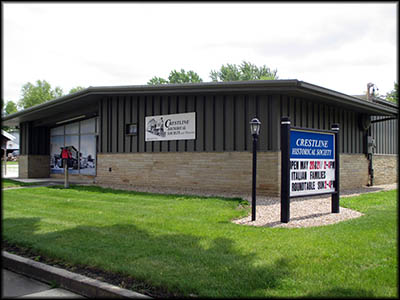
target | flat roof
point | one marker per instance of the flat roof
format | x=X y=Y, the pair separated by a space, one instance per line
x=288 y=86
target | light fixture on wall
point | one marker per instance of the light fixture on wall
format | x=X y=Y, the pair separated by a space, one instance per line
x=72 y=119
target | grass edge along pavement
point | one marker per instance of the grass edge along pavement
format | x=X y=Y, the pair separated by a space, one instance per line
x=10 y=183
x=188 y=245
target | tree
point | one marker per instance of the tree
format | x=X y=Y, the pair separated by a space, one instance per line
x=157 y=80
x=10 y=108
x=177 y=77
x=6 y=109
x=37 y=94
x=393 y=96
x=245 y=71
x=76 y=89
x=183 y=77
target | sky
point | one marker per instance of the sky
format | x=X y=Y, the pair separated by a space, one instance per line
x=340 y=46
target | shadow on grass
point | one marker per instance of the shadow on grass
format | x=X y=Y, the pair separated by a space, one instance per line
x=98 y=189
x=338 y=292
x=181 y=263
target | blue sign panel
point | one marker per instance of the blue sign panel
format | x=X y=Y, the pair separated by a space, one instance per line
x=311 y=145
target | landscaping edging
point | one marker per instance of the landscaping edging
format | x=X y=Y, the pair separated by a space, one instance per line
x=77 y=283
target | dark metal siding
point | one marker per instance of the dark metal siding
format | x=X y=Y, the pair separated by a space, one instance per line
x=311 y=114
x=386 y=135
x=34 y=140
x=222 y=121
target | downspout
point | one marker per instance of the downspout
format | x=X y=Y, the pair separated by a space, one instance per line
x=371 y=145
x=365 y=125
x=370 y=170
x=369 y=154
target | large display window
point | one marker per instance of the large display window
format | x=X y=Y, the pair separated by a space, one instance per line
x=82 y=136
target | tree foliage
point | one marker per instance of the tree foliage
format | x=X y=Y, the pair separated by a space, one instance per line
x=245 y=71
x=38 y=93
x=177 y=77
x=228 y=72
x=183 y=77
x=157 y=80
x=76 y=89
x=393 y=96
x=6 y=109
x=10 y=108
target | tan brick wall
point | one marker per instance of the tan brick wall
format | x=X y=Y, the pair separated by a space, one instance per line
x=385 y=168
x=213 y=171
x=39 y=166
x=34 y=166
x=353 y=171
x=23 y=166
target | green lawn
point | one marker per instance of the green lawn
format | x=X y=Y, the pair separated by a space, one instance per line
x=189 y=246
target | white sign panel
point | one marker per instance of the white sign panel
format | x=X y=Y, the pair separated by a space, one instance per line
x=171 y=127
x=312 y=163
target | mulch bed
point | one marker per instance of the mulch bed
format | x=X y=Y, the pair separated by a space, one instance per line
x=119 y=280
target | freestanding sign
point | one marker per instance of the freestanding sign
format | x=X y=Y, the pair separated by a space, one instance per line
x=310 y=164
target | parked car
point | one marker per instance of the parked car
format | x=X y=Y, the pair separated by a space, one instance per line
x=13 y=156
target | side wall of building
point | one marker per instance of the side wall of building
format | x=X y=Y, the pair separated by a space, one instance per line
x=353 y=171
x=386 y=135
x=34 y=166
x=212 y=171
x=225 y=172
x=385 y=168
x=222 y=121
x=34 y=140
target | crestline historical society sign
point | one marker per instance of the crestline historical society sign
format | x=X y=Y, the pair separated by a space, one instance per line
x=171 y=127
x=312 y=162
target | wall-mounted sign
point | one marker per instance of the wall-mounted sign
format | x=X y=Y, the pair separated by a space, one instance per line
x=312 y=162
x=170 y=127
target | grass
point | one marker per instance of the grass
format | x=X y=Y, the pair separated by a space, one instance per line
x=9 y=183
x=188 y=244
x=12 y=163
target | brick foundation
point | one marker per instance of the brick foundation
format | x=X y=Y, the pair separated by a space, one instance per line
x=34 y=166
x=385 y=168
x=353 y=171
x=212 y=171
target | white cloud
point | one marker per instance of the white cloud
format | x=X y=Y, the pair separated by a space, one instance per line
x=337 y=45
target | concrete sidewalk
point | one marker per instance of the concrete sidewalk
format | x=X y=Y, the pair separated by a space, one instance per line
x=19 y=286
x=10 y=172
x=76 y=284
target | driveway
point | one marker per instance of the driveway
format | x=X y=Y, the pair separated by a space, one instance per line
x=11 y=172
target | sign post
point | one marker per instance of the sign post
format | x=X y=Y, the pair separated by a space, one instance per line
x=309 y=164
x=66 y=184
x=5 y=160
x=285 y=169
x=65 y=155
x=336 y=196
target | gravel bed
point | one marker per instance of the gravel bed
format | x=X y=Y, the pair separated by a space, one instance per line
x=304 y=212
